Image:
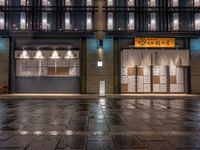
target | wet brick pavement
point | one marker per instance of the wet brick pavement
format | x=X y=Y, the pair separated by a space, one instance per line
x=103 y=124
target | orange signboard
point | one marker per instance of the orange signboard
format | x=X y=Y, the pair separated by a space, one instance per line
x=154 y=42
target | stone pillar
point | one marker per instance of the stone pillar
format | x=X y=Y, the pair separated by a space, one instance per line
x=195 y=72
x=93 y=73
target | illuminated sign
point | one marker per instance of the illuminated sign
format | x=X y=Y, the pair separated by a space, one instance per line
x=154 y=42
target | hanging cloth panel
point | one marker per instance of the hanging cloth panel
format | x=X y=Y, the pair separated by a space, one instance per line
x=155 y=57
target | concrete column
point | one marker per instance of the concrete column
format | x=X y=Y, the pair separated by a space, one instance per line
x=195 y=72
x=99 y=20
x=95 y=74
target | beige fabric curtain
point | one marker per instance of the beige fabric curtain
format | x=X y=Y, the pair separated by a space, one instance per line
x=155 y=57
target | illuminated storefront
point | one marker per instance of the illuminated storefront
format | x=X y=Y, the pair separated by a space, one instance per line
x=154 y=70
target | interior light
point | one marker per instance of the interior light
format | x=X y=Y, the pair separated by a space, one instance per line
x=55 y=55
x=39 y=55
x=24 y=55
x=69 y=55
x=99 y=64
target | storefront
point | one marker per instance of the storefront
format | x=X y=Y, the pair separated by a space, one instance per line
x=151 y=68
x=46 y=67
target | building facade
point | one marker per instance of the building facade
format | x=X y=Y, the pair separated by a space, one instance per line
x=69 y=46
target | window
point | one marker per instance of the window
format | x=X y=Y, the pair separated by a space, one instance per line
x=89 y=2
x=44 y=21
x=110 y=21
x=67 y=2
x=152 y=25
x=152 y=3
x=175 y=22
x=89 y=21
x=2 y=2
x=2 y=21
x=131 y=2
x=22 y=21
x=45 y=3
x=196 y=3
x=175 y=3
x=131 y=23
x=197 y=21
x=67 y=21
x=110 y=2
x=23 y=2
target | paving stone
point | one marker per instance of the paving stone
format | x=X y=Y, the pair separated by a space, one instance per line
x=127 y=142
x=73 y=142
x=100 y=145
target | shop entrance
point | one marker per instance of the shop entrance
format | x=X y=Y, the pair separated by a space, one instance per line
x=154 y=71
x=47 y=71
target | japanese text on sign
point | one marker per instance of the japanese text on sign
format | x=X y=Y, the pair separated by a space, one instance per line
x=155 y=42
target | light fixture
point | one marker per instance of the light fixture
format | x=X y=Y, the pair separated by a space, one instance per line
x=55 y=55
x=24 y=55
x=99 y=64
x=39 y=55
x=69 y=55
x=100 y=43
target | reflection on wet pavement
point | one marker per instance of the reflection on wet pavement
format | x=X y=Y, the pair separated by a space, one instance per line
x=107 y=124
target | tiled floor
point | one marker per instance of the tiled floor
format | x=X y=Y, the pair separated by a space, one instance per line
x=102 y=124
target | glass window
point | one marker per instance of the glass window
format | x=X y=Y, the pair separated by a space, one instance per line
x=197 y=21
x=89 y=21
x=110 y=21
x=131 y=2
x=2 y=21
x=196 y=3
x=131 y=22
x=175 y=22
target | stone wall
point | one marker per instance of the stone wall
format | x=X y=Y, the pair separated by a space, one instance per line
x=93 y=73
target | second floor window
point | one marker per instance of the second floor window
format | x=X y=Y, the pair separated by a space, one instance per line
x=22 y=21
x=196 y=3
x=110 y=3
x=152 y=3
x=175 y=23
x=89 y=21
x=2 y=21
x=131 y=22
x=152 y=24
x=68 y=2
x=110 y=21
x=197 y=21
x=67 y=21
x=2 y=2
x=174 y=3
x=131 y=2
x=23 y=2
